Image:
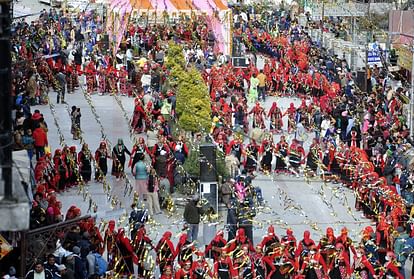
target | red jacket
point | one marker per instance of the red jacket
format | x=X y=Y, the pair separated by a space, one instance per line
x=40 y=137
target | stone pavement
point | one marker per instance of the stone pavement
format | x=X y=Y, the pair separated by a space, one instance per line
x=291 y=201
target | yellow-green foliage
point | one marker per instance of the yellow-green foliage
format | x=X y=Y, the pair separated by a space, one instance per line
x=193 y=101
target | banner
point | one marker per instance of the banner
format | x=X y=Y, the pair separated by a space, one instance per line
x=5 y=247
x=405 y=57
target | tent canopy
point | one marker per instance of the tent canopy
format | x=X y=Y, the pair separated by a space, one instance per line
x=177 y=5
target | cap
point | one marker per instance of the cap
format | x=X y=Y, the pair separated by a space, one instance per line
x=61 y=267
x=76 y=250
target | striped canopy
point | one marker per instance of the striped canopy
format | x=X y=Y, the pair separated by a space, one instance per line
x=178 y=5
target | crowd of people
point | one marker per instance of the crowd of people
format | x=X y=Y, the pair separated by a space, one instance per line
x=360 y=139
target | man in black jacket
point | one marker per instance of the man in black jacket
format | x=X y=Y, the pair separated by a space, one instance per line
x=192 y=215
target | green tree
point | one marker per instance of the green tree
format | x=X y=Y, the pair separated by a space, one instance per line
x=193 y=100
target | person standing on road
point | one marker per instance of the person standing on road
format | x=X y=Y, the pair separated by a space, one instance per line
x=40 y=141
x=192 y=215
x=140 y=173
x=61 y=78
x=118 y=159
x=75 y=117
x=262 y=85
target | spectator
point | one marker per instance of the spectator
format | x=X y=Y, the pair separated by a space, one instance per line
x=61 y=78
x=28 y=143
x=40 y=141
x=52 y=266
x=152 y=194
x=66 y=273
x=39 y=272
x=192 y=215
x=140 y=173
x=18 y=138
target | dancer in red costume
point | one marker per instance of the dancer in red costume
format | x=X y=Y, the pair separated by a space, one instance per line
x=165 y=251
x=126 y=255
x=275 y=116
x=139 y=117
x=90 y=72
x=291 y=113
x=258 y=116
x=109 y=241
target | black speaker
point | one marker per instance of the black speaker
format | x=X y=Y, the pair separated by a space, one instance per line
x=360 y=80
x=105 y=42
x=240 y=62
x=208 y=166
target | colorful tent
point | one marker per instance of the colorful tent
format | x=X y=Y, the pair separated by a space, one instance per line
x=217 y=13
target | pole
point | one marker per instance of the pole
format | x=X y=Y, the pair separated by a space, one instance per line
x=322 y=16
x=412 y=93
x=368 y=35
x=6 y=139
x=353 y=52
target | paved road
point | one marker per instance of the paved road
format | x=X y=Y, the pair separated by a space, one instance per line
x=291 y=202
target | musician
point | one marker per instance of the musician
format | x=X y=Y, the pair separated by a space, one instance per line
x=168 y=273
x=314 y=157
x=304 y=247
x=252 y=151
x=313 y=266
x=269 y=240
x=296 y=156
x=200 y=267
x=126 y=255
x=184 y=250
x=165 y=251
x=339 y=267
x=362 y=268
x=109 y=241
x=266 y=152
x=185 y=272
x=382 y=236
x=327 y=246
x=241 y=239
x=392 y=266
x=236 y=147
x=259 y=265
x=180 y=149
x=277 y=264
x=289 y=241
x=282 y=151
x=346 y=242
x=244 y=265
x=214 y=248
x=141 y=245
x=85 y=163
x=223 y=267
